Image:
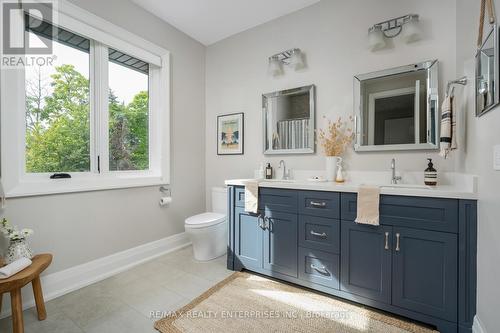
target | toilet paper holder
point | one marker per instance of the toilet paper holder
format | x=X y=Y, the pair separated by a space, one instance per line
x=166 y=190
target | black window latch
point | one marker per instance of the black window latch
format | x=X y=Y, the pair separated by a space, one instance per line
x=60 y=176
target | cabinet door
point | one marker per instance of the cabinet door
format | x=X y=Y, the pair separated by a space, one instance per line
x=366 y=260
x=425 y=272
x=248 y=240
x=280 y=243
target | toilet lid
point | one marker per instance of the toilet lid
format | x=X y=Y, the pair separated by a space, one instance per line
x=205 y=220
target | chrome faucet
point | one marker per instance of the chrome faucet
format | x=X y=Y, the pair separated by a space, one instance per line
x=394 y=179
x=283 y=172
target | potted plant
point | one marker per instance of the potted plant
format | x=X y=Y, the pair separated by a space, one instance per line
x=18 y=247
x=334 y=140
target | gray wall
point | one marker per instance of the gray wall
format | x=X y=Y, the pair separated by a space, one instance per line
x=81 y=227
x=333 y=35
x=482 y=134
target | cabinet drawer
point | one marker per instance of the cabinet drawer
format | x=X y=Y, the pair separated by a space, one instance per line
x=326 y=204
x=239 y=197
x=414 y=212
x=277 y=200
x=319 y=233
x=319 y=267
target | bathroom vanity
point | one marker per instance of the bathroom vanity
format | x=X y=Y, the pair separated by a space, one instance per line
x=419 y=263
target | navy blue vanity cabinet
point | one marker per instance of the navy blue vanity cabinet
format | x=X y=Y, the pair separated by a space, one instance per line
x=419 y=263
x=248 y=237
x=425 y=272
x=280 y=243
x=267 y=241
x=366 y=260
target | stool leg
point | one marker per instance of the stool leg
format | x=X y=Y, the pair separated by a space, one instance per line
x=17 y=311
x=40 y=304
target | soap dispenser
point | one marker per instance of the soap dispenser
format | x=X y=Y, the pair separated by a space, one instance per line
x=430 y=174
x=269 y=171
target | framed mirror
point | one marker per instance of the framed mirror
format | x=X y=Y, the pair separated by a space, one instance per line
x=288 y=121
x=487 y=95
x=397 y=108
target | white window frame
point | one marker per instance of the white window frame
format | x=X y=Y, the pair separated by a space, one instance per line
x=103 y=34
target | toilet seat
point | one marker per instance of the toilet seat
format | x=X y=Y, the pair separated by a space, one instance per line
x=205 y=220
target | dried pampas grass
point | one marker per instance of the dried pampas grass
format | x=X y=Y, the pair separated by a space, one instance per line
x=336 y=137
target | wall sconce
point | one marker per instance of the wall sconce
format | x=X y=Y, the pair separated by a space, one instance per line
x=392 y=28
x=292 y=58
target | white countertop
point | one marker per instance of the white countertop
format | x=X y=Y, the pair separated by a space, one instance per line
x=462 y=190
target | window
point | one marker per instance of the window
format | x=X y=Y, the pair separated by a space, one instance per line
x=128 y=112
x=57 y=105
x=98 y=112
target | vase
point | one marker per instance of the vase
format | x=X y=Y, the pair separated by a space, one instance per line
x=331 y=167
x=18 y=249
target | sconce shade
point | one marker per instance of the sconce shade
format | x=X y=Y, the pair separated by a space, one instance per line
x=296 y=60
x=274 y=67
x=411 y=30
x=376 y=40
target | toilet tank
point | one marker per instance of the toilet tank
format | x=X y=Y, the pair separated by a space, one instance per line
x=219 y=200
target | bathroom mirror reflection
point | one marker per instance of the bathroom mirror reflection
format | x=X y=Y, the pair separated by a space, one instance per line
x=397 y=109
x=487 y=74
x=288 y=121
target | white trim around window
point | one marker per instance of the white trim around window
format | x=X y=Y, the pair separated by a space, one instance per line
x=18 y=183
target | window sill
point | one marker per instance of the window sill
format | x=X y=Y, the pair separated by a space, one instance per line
x=39 y=187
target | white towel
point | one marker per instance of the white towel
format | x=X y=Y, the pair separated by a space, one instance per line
x=448 y=140
x=368 y=205
x=13 y=268
x=251 y=196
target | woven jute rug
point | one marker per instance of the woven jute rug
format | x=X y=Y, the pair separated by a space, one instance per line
x=249 y=303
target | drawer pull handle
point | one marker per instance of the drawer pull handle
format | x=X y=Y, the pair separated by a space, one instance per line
x=386 y=241
x=397 y=242
x=321 y=269
x=318 y=204
x=317 y=234
x=261 y=222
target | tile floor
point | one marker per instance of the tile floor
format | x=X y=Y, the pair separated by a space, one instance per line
x=123 y=303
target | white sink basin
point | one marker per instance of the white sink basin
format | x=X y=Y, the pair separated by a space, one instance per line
x=408 y=186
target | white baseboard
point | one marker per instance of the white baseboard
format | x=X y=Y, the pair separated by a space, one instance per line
x=477 y=327
x=60 y=283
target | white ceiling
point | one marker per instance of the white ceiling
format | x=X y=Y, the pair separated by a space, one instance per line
x=209 y=21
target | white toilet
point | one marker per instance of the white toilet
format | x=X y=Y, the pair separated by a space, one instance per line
x=208 y=231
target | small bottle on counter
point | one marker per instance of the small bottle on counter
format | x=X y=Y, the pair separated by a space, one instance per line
x=430 y=174
x=261 y=172
x=269 y=171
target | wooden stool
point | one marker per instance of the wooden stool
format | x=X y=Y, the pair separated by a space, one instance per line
x=14 y=284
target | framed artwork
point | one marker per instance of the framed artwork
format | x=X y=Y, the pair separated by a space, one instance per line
x=230 y=134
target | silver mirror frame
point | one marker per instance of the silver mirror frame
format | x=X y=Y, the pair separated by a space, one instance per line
x=496 y=97
x=431 y=66
x=312 y=107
